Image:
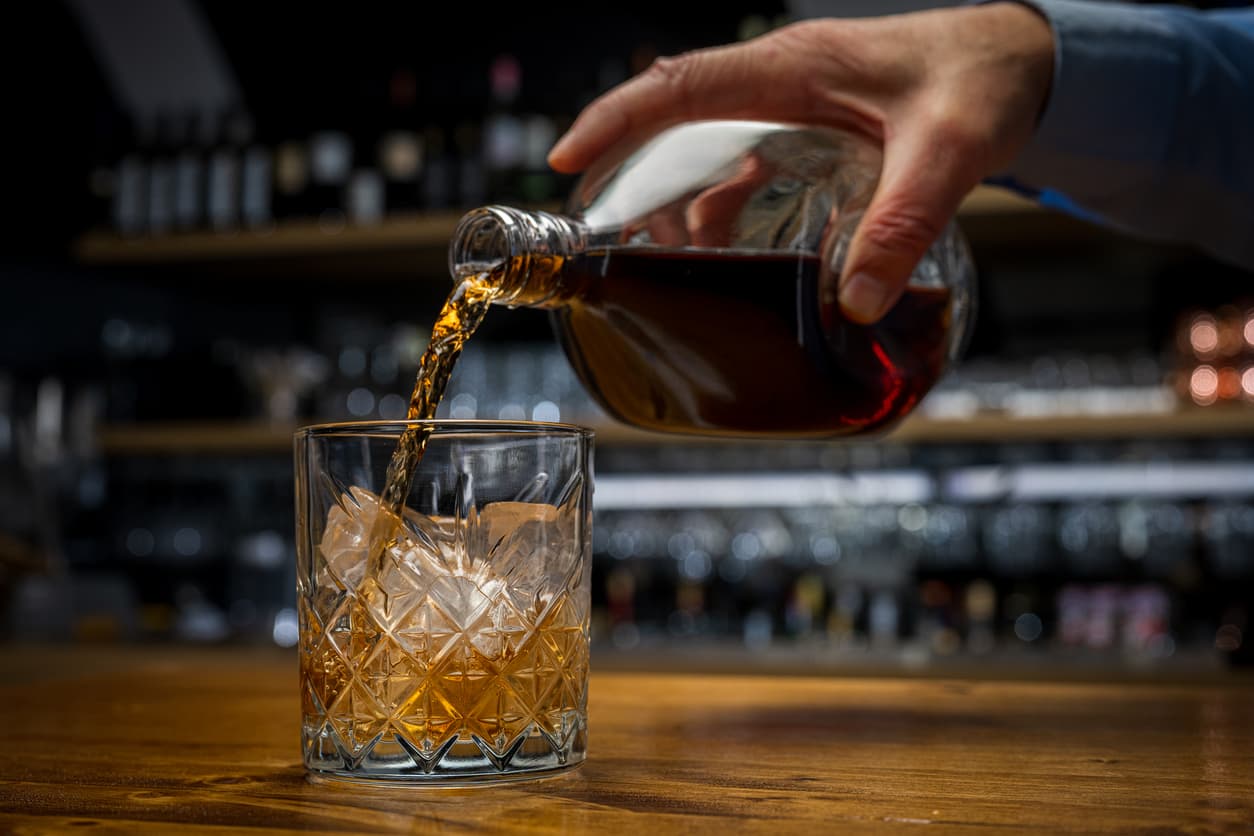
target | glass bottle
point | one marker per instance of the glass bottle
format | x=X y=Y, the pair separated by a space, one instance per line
x=189 y=173
x=687 y=285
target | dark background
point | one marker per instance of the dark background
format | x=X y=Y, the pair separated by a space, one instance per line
x=1049 y=288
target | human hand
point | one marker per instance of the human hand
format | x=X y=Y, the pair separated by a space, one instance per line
x=952 y=95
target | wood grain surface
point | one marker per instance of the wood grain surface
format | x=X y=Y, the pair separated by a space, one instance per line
x=160 y=741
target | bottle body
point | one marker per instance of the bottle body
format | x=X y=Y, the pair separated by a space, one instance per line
x=735 y=344
x=692 y=286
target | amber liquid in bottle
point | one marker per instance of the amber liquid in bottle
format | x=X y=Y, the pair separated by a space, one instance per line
x=736 y=343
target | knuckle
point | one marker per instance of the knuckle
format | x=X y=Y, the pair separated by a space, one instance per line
x=674 y=74
x=816 y=36
x=901 y=228
x=769 y=50
x=672 y=70
x=958 y=138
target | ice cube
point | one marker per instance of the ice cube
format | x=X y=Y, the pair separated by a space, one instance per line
x=346 y=539
x=500 y=519
x=511 y=556
x=346 y=535
x=530 y=547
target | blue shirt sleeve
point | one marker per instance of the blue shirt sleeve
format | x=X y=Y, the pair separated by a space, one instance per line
x=1149 y=125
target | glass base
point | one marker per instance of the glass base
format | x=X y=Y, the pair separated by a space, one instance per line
x=460 y=762
x=438 y=782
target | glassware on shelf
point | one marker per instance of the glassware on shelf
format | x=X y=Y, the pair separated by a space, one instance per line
x=282 y=378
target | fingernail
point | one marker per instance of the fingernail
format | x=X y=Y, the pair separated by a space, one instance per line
x=863 y=296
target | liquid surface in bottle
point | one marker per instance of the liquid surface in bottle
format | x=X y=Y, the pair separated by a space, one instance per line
x=736 y=343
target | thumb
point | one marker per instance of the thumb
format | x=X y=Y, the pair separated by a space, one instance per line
x=919 y=190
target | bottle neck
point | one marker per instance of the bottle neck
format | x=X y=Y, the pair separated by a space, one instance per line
x=524 y=251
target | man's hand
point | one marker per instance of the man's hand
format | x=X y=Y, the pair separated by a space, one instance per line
x=952 y=95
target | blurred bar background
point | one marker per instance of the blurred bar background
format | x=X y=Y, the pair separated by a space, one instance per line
x=231 y=219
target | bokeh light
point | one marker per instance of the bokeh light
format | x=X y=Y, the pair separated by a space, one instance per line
x=1204 y=336
x=1204 y=385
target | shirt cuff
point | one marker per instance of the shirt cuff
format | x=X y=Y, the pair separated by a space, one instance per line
x=1104 y=53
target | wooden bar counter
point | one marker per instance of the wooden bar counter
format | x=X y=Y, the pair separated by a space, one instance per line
x=160 y=741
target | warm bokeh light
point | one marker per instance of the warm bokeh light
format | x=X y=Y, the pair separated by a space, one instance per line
x=1229 y=387
x=1204 y=336
x=1248 y=330
x=1247 y=383
x=1204 y=385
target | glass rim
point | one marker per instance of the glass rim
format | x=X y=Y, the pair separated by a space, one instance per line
x=447 y=427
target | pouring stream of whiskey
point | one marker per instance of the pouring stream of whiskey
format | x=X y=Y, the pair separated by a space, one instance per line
x=462 y=313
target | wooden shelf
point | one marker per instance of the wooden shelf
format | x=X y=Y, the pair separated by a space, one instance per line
x=245 y=438
x=304 y=238
x=194 y=437
x=1186 y=422
x=401 y=238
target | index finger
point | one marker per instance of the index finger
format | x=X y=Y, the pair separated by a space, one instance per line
x=749 y=79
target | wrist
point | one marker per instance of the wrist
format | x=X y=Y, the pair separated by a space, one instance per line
x=1026 y=36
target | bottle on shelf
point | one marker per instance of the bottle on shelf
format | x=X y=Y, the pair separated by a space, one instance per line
x=400 y=151
x=437 y=184
x=162 y=171
x=130 y=191
x=257 y=185
x=366 y=197
x=223 y=186
x=980 y=615
x=291 y=179
x=330 y=166
x=504 y=131
x=710 y=232
x=159 y=205
x=537 y=183
x=516 y=142
x=189 y=173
